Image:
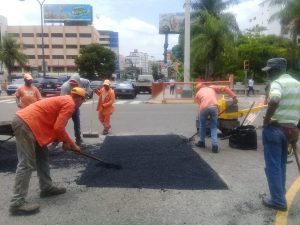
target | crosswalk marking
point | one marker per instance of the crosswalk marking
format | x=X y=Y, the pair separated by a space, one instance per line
x=122 y=102
x=6 y=100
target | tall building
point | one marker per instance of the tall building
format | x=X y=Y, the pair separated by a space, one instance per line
x=61 y=45
x=110 y=39
x=140 y=60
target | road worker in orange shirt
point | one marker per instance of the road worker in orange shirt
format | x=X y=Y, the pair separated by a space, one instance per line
x=27 y=93
x=35 y=127
x=105 y=105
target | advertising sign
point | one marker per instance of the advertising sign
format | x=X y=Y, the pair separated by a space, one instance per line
x=171 y=23
x=60 y=13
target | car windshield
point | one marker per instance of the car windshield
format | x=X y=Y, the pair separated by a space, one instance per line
x=96 y=82
x=124 y=85
x=18 y=81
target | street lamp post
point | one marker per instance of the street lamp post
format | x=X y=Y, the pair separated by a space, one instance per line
x=41 y=3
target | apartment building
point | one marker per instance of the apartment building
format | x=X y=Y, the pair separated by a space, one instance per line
x=140 y=60
x=110 y=39
x=61 y=45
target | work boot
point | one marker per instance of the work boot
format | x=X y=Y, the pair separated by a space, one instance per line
x=200 y=144
x=27 y=208
x=268 y=203
x=53 y=191
x=215 y=149
x=79 y=141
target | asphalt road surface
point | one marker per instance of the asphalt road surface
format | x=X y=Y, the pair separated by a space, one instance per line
x=164 y=180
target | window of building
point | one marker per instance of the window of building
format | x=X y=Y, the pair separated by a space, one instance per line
x=71 y=46
x=15 y=34
x=30 y=56
x=56 y=35
x=103 y=39
x=71 y=35
x=41 y=57
x=40 y=35
x=27 y=35
x=40 y=46
x=28 y=46
x=85 y=35
x=71 y=56
x=57 y=46
x=57 y=57
x=82 y=46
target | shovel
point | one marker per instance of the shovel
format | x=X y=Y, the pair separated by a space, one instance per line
x=100 y=161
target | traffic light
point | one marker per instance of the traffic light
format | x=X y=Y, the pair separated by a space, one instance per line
x=246 y=64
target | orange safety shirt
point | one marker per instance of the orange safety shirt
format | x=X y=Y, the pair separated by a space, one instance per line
x=106 y=101
x=48 y=118
x=28 y=95
x=207 y=95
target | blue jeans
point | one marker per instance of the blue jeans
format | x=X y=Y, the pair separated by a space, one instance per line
x=275 y=153
x=212 y=113
x=76 y=121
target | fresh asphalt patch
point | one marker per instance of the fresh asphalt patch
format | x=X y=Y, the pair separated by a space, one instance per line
x=148 y=161
x=151 y=161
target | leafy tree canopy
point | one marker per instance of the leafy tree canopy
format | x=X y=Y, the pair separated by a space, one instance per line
x=96 y=62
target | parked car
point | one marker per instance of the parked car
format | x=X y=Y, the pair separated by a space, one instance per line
x=125 y=89
x=12 y=88
x=60 y=80
x=48 y=86
x=96 y=84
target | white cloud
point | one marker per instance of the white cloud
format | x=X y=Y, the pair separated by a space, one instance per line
x=136 y=34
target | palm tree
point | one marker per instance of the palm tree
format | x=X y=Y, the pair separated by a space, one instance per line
x=212 y=30
x=10 y=54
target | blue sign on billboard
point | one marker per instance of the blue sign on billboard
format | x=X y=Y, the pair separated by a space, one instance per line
x=60 y=13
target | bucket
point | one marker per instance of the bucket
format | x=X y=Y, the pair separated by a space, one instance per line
x=244 y=138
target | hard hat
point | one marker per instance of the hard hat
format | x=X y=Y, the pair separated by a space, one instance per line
x=106 y=82
x=275 y=63
x=27 y=76
x=78 y=91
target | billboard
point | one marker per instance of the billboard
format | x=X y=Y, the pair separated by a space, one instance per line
x=60 y=13
x=171 y=23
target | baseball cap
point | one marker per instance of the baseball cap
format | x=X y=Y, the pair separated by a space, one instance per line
x=27 y=76
x=275 y=63
x=106 y=82
x=78 y=91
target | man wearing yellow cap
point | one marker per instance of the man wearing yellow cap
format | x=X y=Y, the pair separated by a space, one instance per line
x=33 y=132
x=27 y=93
x=105 y=105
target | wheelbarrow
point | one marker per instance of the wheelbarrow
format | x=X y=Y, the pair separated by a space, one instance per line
x=6 y=130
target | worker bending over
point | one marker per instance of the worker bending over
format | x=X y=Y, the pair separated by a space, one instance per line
x=35 y=127
x=206 y=98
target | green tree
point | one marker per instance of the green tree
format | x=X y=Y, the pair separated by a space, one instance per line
x=10 y=54
x=96 y=62
x=258 y=49
x=210 y=36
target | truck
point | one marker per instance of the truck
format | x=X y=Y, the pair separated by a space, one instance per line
x=144 y=83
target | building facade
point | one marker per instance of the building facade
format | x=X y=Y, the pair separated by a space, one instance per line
x=61 y=45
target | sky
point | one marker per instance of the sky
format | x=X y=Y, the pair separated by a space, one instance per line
x=137 y=21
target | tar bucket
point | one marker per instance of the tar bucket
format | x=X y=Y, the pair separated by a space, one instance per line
x=244 y=138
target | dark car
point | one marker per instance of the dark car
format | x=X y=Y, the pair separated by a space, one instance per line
x=60 y=81
x=125 y=89
x=96 y=84
x=12 y=88
x=48 y=85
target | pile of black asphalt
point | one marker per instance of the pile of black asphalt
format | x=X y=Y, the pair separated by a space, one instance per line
x=57 y=157
x=151 y=161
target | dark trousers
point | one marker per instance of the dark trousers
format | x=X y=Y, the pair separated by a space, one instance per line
x=250 y=89
x=76 y=121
